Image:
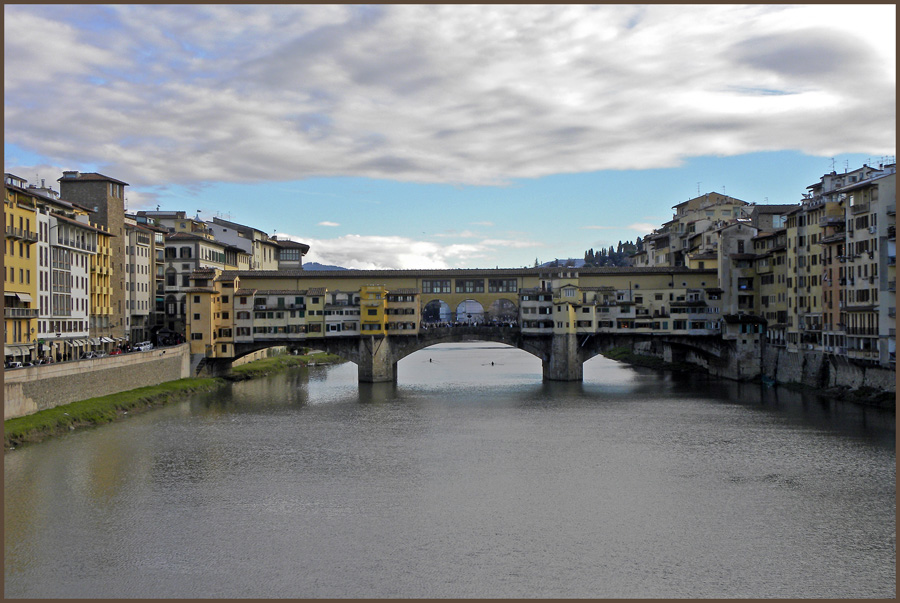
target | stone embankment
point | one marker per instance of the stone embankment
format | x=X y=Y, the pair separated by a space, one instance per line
x=831 y=375
x=61 y=418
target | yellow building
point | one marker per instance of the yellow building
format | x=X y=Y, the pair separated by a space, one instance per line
x=771 y=268
x=372 y=309
x=102 y=279
x=804 y=280
x=20 y=278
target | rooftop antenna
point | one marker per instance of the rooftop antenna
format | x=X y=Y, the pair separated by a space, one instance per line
x=698 y=189
x=846 y=165
x=832 y=164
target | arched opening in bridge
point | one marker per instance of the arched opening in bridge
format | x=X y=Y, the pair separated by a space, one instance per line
x=482 y=366
x=470 y=312
x=502 y=311
x=436 y=311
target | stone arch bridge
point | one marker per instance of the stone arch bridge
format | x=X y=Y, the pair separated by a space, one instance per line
x=562 y=355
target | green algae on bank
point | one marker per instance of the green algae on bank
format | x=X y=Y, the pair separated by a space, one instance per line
x=112 y=407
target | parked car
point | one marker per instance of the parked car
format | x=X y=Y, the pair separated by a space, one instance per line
x=143 y=346
x=100 y=354
x=13 y=365
x=115 y=352
x=88 y=355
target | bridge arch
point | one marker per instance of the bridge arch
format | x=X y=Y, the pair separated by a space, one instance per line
x=502 y=310
x=436 y=311
x=470 y=311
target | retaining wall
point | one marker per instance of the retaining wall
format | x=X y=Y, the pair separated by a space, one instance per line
x=29 y=390
x=816 y=369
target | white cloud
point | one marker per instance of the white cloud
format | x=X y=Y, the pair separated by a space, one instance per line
x=370 y=252
x=441 y=93
x=643 y=227
x=328 y=224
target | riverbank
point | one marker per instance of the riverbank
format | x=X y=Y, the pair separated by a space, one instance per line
x=865 y=395
x=112 y=407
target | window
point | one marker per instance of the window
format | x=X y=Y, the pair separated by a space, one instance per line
x=196 y=299
x=196 y=336
x=196 y=317
x=470 y=285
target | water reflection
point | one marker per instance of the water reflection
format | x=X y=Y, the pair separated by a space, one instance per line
x=463 y=479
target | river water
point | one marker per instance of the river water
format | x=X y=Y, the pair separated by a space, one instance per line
x=464 y=479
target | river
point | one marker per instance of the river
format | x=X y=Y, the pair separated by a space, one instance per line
x=468 y=478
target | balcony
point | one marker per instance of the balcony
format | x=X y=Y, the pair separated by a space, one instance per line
x=892 y=232
x=20 y=312
x=892 y=285
x=859 y=208
x=20 y=234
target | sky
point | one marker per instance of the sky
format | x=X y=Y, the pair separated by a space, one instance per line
x=448 y=136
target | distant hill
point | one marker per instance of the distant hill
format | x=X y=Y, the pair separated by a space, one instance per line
x=576 y=263
x=318 y=266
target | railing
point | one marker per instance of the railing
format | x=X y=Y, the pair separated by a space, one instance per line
x=859 y=208
x=20 y=312
x=862 y=331
x=76 y=244
x=21 y=233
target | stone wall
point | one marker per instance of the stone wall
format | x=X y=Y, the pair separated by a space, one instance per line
x=259 y=354
x=29 y=390
x=816 y=369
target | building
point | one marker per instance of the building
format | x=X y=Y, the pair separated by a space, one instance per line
x=140 y=281
x=20 y=275
x=186 y=252
x=770 y=250
x=869 y=271
x=105 y=196
x=290 y=253
x=262 y=251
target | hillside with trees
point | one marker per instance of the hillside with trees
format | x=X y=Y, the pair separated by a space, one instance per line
x=619 y=255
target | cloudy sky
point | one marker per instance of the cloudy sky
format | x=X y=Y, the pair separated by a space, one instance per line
x=448 y=136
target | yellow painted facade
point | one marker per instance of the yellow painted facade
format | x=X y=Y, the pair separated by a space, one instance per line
x=102 y=279
x=20 y=278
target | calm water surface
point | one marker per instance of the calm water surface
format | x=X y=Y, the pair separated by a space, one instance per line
x=464 y=479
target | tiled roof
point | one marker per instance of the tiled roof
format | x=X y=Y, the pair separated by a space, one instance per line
x=299 y=273
x=83 y=225
x=92 y=176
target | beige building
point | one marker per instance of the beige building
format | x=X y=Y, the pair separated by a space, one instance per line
x=105 y=197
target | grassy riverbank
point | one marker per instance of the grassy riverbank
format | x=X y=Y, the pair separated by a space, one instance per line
x=112 y=407
x=266 y=366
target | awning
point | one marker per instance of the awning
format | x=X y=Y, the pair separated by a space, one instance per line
x=107 y=340
x=13 y=350
x=25 y=297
